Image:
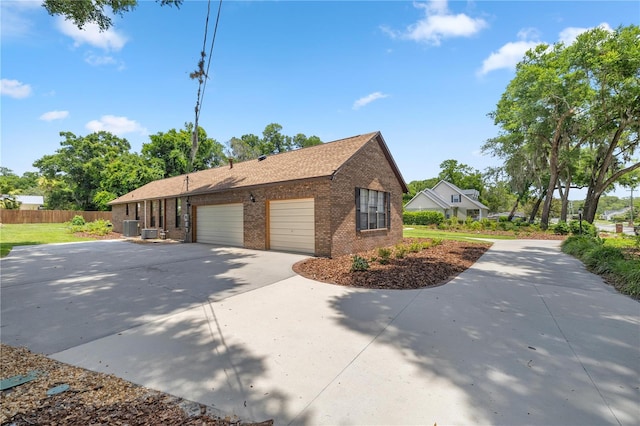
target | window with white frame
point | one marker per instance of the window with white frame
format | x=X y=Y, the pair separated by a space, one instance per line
x=456 y=198
x=373 y=209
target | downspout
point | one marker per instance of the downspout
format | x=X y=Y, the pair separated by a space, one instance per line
x=145 y=214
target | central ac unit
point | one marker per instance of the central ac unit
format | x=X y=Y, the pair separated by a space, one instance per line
x=149 y=233
x=130 y=228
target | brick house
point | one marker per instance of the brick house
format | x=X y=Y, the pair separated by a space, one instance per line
x=336 y=198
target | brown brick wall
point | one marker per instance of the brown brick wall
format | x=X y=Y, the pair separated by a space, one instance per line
x=255 y=213
x=335 y=213
x=119 y=215
x=367 y=169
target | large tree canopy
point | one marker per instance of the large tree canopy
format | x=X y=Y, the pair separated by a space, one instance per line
x=173 y=150
x=571 y=115
x=89 y=171
x=250 y=146
x=82 y=12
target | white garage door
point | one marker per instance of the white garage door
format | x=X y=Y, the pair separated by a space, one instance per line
x=221 y=224
x=291 y=225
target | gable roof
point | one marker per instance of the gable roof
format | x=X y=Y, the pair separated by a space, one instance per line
x=433 y=196
x=27 y=199
x=306 y=163
x=462 y=193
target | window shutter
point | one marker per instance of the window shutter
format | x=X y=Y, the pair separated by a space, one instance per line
x=388 y=197
x=357 y=209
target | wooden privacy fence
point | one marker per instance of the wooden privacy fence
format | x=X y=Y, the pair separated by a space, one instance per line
x=48 y=216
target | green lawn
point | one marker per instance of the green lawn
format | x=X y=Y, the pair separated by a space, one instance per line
x=417 y=231
x=34 y=233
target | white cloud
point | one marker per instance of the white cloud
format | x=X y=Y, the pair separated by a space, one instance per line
x=109 y=40
x=569 y=34
x=15 y=17
x=368 y=99
x=14 y=88
x=98 y=60
x=507 y=56
x=513 y=52
x=116 y=125
x=54 y=115
x=438 y=23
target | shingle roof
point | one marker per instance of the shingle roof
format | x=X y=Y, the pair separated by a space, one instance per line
x=316 y=161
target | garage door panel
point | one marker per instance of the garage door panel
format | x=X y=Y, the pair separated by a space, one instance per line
x=221 y=224
x=292 y=225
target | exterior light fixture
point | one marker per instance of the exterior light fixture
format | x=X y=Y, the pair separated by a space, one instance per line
x=252 y=198
x=580 y=217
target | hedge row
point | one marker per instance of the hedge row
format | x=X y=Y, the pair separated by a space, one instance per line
x=425 y=217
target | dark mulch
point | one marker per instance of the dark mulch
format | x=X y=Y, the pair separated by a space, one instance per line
x=430 y=266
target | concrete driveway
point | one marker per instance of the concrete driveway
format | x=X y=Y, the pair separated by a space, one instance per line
x=55 y=297
x=526 y=336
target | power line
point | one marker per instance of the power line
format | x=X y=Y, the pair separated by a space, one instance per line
x=202 y=77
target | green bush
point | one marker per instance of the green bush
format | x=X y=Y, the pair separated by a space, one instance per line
x=486 y=223
x=475 y=226
x=97 y=227
x=422 y=218
x=587 y=228
x=505 y=225
x=561 y=228
x=385 y=254
x=415 y=247
x=606 y=260
x=359 y=264
x=436 y=242
x=78 y=220
x=400 y=251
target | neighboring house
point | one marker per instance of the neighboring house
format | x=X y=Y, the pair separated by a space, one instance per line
x=29 y=202
x=449 y=200
x=336 y=198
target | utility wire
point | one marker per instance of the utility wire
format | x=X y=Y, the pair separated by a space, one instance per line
x=202 y=77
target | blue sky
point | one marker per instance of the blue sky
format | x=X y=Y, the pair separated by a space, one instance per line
x=423 y=73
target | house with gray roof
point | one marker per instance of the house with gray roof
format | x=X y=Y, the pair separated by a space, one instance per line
x=450 y=200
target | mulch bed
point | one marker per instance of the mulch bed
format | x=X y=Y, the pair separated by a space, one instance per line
x=430 y=266
x=91 y=398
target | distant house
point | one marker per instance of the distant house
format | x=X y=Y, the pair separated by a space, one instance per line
x=28 y=202
x=332 y=199
x=449 y=200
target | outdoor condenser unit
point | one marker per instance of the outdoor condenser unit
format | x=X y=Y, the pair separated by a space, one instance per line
x=149 y=233
x=130 y=228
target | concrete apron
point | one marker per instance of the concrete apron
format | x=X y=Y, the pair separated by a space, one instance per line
x=526 y=336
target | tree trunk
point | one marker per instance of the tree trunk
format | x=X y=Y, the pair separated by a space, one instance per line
x=536 y=207
x=553 y=168
x=546 y=207
x=513 y=210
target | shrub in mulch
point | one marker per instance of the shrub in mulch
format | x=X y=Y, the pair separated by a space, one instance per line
x=432 y=265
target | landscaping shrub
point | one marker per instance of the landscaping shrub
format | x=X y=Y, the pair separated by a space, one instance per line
x=77 y=220
x=561 y=228
x=587 y=228
x=422 y=218
x=436 y=242
x=505 y=225
x=97 y=227
x=486 y=223
x=475 y=226
x=606 y=260
x=415 y=247
x=385 y=254
x=359 y=264
x=400 y=251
